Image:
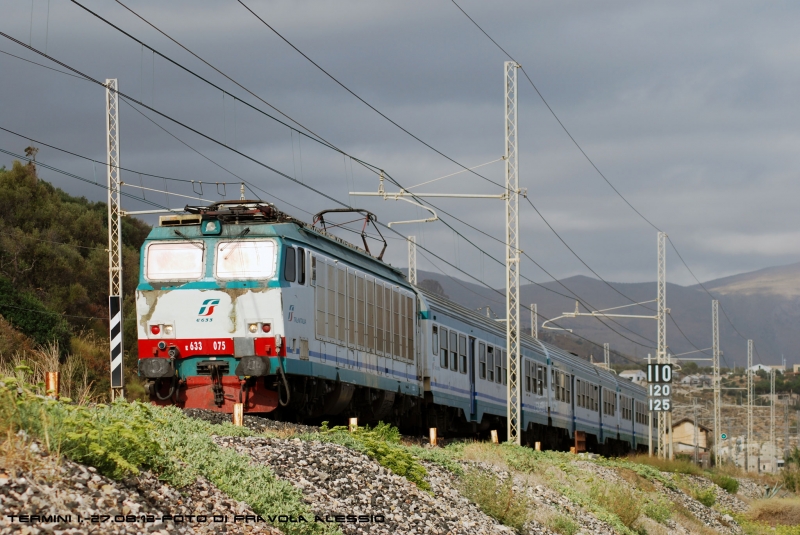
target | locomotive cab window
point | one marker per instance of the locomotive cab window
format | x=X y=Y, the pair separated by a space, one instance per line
x=237 y=259
x=168 y=261
x=290 y=265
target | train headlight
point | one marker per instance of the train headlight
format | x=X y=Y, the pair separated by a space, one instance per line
x=253 y=327
x=168 y=330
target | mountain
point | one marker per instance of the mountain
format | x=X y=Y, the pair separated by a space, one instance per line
x=763 y=305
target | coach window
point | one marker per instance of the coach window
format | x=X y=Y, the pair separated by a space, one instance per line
x=527 y=375
x=435 y=340
x=453 y=350
x=301 y=265
x=290 y=265
x=490 y=363
x=462 y=354
x=443 y=347
x=498 y=365
x=505 y=367
x=482 y=360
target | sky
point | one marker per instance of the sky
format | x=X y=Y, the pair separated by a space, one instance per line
x=689 y=108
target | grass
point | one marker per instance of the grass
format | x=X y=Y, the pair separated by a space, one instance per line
x=728 y=483
x=679 y=466
x=706 y=496
x=381 y=443
x=496 y=498
x=121 y=439
x=659 y=509
x=563 y=524
x=776 y=512
x=619 y=500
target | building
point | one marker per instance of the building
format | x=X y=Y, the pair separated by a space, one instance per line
x=696 y=380
x=796 y=368
x=683 y=437
x=755 y=368
x=636 y=376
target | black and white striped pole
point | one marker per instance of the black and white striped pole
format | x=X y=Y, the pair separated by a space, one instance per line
x=114 y=241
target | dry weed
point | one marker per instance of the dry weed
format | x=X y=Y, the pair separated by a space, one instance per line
x=776 y=511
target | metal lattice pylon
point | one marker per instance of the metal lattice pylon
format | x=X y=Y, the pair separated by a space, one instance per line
x=716 y=380
x=513 y=392
x=750 y=397
x=114 y=240
x=772 y=419
x=534 y=320
x=661 y=356
x=607 y=355
x=412 y=259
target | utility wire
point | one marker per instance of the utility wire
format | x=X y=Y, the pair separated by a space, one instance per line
x=258 y=162
x=591 y=162
x=326 y=142
x=370 y=106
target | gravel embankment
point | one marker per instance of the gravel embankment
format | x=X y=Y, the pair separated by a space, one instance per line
x=88 y=502
x=336 y=480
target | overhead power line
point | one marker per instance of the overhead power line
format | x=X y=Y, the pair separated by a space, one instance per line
x=284 y=175
x=591 y=162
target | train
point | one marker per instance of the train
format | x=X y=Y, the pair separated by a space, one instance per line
x=239 y=302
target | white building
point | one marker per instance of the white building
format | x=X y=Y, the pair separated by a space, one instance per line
x=636 y=376
x=755 y=368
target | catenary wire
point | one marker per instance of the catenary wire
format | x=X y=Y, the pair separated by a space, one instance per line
x=591 y=162
x=258 y=162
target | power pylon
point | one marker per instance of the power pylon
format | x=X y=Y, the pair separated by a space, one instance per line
x=514 y=390
x=716 y=381
x=534 y=321
x=114 y=241
x=772 y=418
x=661 y=356
x=750 y=392
x=412 y=259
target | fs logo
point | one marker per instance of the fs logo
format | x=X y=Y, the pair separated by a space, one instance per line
x=291 y=313
x=208 y=307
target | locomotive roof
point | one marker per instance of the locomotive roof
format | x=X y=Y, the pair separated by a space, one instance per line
x=262 y=215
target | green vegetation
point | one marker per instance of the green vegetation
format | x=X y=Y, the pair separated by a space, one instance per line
x=381 y=443
x=121 y=439
x=726 y=482
x=659 y=509
x=54 y=273
x=706 y=496
x=563 y=524
x=495 y=498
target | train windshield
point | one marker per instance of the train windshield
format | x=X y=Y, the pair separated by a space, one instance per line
x=239 y=259
x=170 y=261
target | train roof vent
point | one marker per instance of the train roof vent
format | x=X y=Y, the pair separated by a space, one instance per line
x=178 y=220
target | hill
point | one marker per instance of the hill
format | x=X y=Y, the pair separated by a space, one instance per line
x=764 y=305
x=54 y=271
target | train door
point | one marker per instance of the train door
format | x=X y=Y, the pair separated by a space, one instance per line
x=473 y=398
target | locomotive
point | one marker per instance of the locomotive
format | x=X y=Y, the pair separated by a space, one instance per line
x=238 y=302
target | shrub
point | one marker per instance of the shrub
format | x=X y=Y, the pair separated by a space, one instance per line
x=705 y=496
x=563 y=524
x=495 y=498
x=381 y=443
x=728 y=483
x=790 y=477
x=621 y=501
x=659 y=510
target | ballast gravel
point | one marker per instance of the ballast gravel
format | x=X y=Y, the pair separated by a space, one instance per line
x=80 y=500
x=338 y=481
